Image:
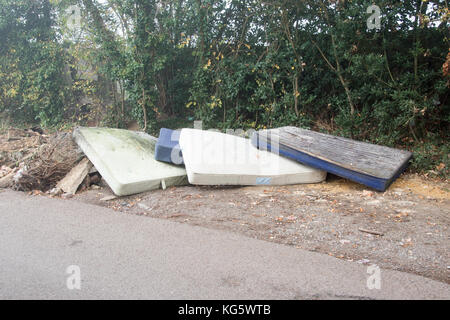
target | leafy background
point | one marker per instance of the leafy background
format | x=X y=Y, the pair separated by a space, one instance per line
x=233 y=64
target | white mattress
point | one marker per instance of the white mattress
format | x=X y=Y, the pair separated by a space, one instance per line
x=214 y=158
x=126 y=160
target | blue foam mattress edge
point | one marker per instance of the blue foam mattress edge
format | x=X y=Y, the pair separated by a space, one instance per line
x=378 y=184
x=167 y=147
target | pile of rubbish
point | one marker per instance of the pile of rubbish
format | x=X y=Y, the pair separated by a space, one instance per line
x=132 y=162
x=33 y=161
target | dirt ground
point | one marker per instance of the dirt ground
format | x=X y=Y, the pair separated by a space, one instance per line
x=412 y=218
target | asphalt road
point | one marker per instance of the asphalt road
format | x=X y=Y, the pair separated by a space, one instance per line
x=133 y=257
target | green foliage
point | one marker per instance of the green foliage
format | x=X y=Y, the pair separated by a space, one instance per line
x=32 y=63
x=237 y=64
x=432 y=156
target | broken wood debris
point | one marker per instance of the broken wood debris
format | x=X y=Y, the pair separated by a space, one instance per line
x=50 y=162
x=377 y=233
x=8 y=180
x=71 y=182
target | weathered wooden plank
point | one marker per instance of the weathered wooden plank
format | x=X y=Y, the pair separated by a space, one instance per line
x=71 y=182
x=373 y=165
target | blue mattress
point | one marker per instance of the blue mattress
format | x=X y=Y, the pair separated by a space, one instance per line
x=167 y=148
x=306 y=151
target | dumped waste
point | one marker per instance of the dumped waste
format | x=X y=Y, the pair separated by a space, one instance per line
x=132 y=162
x=126 y=160
x=36 y=161
x=214 y=158
x=369 y=164
x=71 y=182
x=49 y=164
x=168 y=148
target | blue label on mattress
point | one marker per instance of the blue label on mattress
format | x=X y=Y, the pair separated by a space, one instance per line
x=263 y=181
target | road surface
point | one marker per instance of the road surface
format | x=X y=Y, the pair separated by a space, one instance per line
x=45 y=242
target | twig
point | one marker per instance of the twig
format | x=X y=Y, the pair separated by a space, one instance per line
x=377 y=233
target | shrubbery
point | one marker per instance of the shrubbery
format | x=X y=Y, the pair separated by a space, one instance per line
x=242 y=64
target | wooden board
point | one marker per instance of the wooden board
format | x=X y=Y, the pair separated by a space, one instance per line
x=372 y=165
x=71 y=182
